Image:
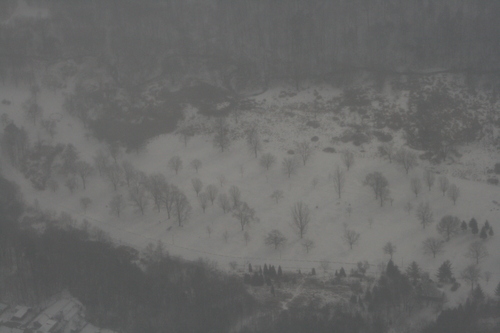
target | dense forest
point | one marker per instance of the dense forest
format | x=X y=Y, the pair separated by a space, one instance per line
x=248 y=42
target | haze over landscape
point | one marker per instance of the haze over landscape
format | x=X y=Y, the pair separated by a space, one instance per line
x=249 y=166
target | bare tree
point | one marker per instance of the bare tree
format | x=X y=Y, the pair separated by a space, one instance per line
x=212 y=192
x=244 y=214
x=267 y=160
x=84 y=170
x=348 y=158
x=429 y=178
x=305 y=150
x=221 y=134
x=454 y=193
x=416 y=186
x=155 y=185
x=477 y=251
x=275 y=238
x=471 y=275
x=301 y=216
x=339 y=180
x=117 y=204
x=389 y=249
x=235 y=194
x=49 y=125
x=33 y=110
x=114 y=150
x=101 y=162
x=408 y=207
x=253 y=140
x=433 y=246
x=387 y=149
x=185 y=133
x=138 y=196
x=196 y=164
x=175 y=163
x=85 y=202
x=444 y=184
x=71 y=184
x=181 y=206
x=351 y=237
x=129 y=172
x=246 y=237
x=424 y=214
x=448 y=226
x=168 y=194
x=277 y=195
x=406 y=158
x=224 y=202
x=222 y=180
x=289 y=166
x=487 y=276
x=203 y=198
x=379 y=184
x=197 y=185
x=114 y=174
x=308 y=244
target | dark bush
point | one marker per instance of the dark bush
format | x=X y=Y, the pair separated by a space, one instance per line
x=5 y=102
x=313 y=123
x=382 y=136
x=497 y=168
x=357 y=138
x=314 y=139
x=290 y=152
x=329 y=150
x=493 y=181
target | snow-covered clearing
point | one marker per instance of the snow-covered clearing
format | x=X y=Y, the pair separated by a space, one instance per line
x=239 y=167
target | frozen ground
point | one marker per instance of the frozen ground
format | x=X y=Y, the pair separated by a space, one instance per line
x=239 y=167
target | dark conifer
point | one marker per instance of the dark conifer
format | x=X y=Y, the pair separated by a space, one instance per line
x=250 y=268
x=280 y=272
x=473 y=226
x=445 y=274
x=464 y=226
x=484 y=233
x=313 y=271
x=342 y=273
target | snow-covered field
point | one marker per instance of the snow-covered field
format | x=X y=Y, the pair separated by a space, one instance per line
x=390 y=223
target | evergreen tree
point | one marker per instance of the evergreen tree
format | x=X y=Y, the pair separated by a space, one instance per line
x=342 y=273
x=484 y=233
x=272 y=271
x=414 y=273
x=473 y=226
x=250 y=268
x=392 y=270
x=266 y=270
x=497 y=290
x=445 y=275
x=478 y=294
x=280 y=272
x=313 y=271
x=487 y=225
x=464 y=225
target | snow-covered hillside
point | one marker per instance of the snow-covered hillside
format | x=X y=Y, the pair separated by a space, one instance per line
x=280 y=123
